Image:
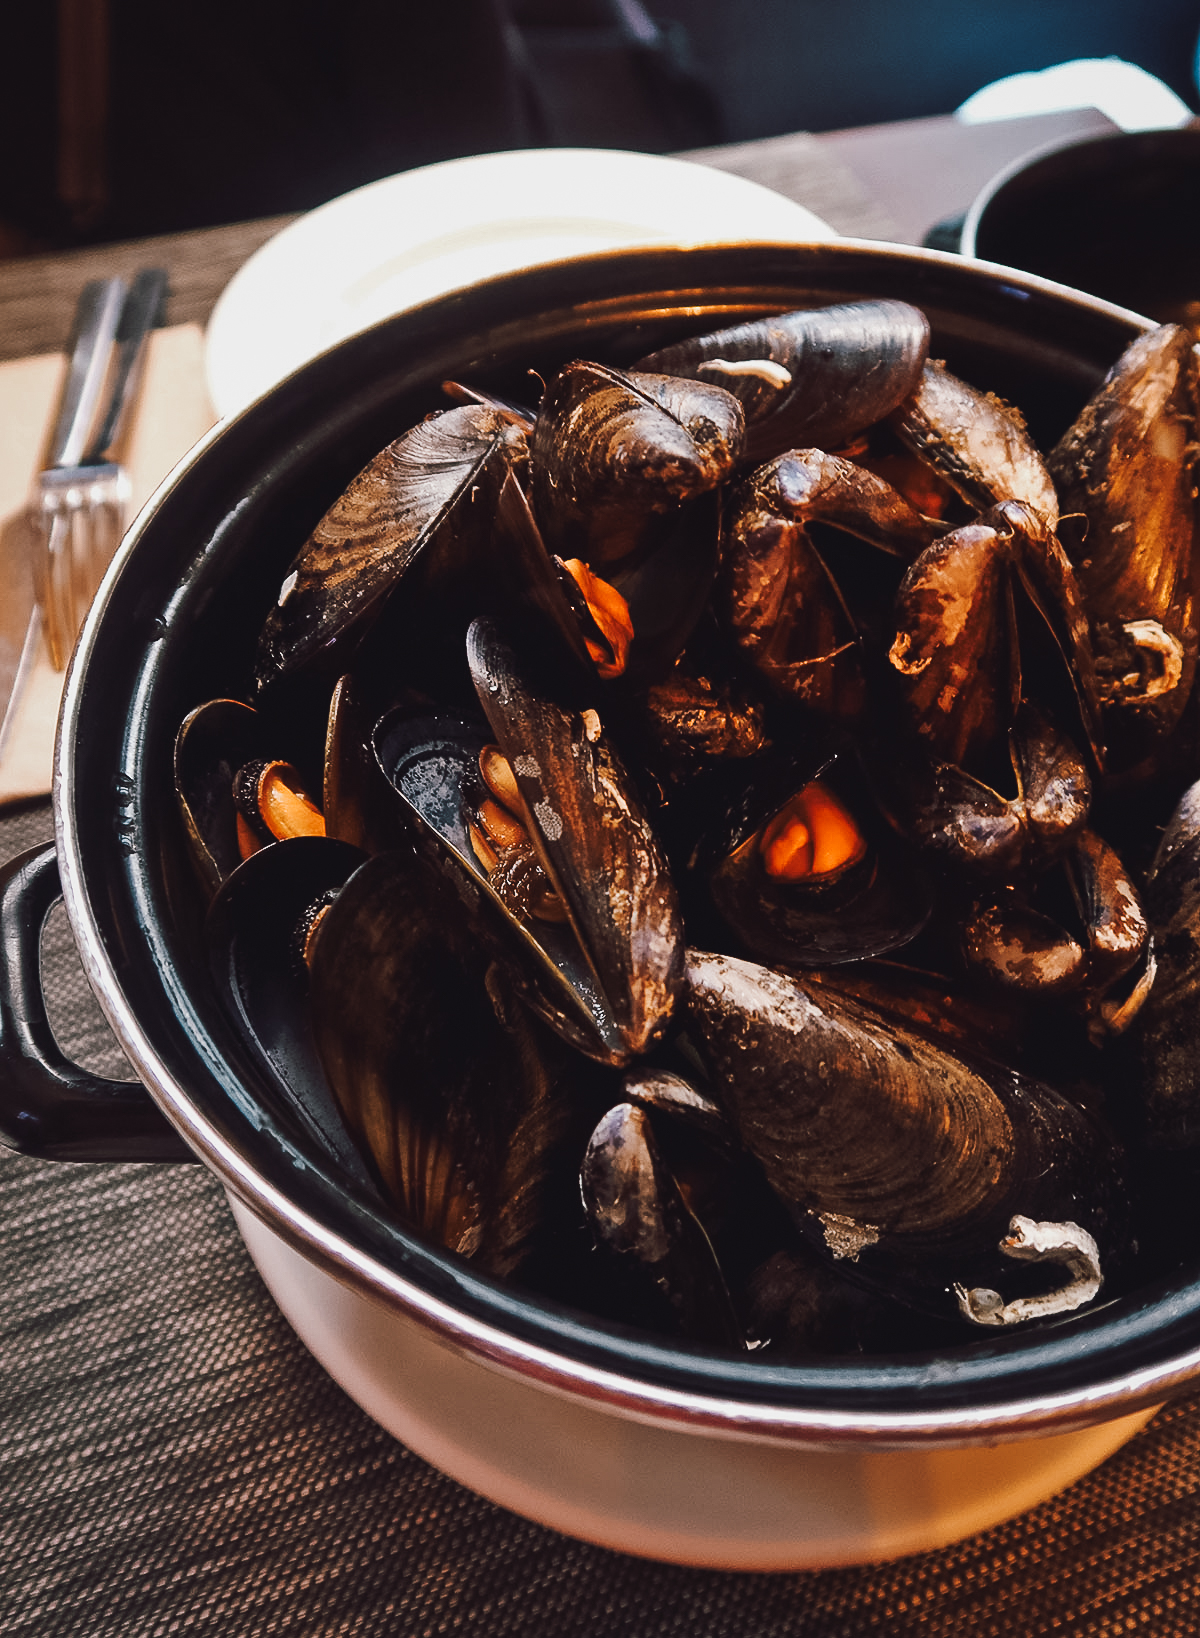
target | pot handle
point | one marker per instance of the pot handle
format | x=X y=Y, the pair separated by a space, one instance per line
x=49 y=1106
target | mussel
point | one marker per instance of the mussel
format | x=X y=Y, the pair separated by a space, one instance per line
x=961 y=649
x=816 y=376
x=784 y=604
x=592 y=837
x=978 y=444
x=803 y=869
x=442 y=477
x=642 y=1220
x=655 y=655
x=443 y=1076
x=906 y=1162
x=1126 y=474
x=613 y=452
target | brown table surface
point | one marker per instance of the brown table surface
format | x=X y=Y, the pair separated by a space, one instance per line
x=172 y=1460
x=879 y=182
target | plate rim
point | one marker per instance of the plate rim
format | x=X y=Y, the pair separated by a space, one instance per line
x=249 y=302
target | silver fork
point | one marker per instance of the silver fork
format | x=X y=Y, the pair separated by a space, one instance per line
x=81 y=500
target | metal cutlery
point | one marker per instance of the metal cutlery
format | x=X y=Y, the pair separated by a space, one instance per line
x=82 y=496
x=96 y=316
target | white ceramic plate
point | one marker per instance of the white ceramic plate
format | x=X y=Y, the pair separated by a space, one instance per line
x=407 y=238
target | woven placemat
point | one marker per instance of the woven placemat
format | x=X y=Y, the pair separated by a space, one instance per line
x=173 y=1461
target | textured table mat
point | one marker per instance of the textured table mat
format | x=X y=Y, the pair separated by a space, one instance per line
x=172 y=1461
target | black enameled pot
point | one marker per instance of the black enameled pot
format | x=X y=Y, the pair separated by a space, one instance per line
x=176 y=623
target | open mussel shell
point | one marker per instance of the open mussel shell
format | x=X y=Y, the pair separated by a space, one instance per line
x=667 y=589
x=814 y=376
x=658 y=1246
x=432 y=763
x=442 y=476
x=255 y=932
x=981 y=830
x=593 y=839
x=789 y=613
x=848 y=889
x=1077 y=926
x=1126 y=476
x=438 y=1069
x=213 y=742
x=661 y=591
x=986 y=614
x=611 y=452
x=906 y=1164
x=226 y=757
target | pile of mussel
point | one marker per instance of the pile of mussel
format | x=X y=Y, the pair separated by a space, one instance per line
x=747 y=888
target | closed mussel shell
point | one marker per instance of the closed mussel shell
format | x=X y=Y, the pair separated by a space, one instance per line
x=814 y=376
x=611 y=452
x=978 y=444
x=907 y=1164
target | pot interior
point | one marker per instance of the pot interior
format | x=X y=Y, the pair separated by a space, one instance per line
x=178 y=625
x=1117 y=215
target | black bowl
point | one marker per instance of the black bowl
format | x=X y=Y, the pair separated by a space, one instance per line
x=177 y=623
x=1115 y=215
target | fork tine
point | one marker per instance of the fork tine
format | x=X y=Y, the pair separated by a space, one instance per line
x=54 y=585
x=107 y=517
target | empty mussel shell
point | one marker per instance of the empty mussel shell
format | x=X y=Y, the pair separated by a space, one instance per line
x=977 y=829
x=256 y=930
x=1078 y=926
x=792 y=617
x=972 y=615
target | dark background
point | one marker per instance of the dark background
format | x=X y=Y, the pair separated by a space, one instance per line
x=222 y=110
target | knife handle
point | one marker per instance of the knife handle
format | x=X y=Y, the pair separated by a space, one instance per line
x=97 y=315
x=49 y=1106
x=142 y=311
